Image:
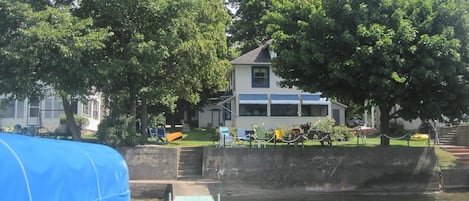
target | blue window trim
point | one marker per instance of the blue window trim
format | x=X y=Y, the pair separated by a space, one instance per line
x=252 y=77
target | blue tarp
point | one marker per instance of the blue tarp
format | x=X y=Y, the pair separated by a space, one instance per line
x=39 y=169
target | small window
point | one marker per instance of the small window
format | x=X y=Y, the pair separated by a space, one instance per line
x=7 y=108
x=260 y=77
x=314 y=110
x=19 y=109
x=34 y=109
x=48 y=108
x=290 y=110
x=58 y=107
x=252 y=109
x=95 y=109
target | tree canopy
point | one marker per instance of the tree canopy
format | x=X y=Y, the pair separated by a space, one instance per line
x=151 y=52
x=161 y=50
x=49 y=49
x=410 y=53
x=248 y=31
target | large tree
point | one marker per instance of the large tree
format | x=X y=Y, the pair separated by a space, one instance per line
x=248 y=31
x=161 y=50
x=49 y=49
x=411 y=53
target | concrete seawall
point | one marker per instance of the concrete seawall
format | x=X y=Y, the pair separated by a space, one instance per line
x=310 y=169
x=151 y=162
x=325 y=169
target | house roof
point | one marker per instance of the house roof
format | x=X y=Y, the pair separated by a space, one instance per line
x=259 y=55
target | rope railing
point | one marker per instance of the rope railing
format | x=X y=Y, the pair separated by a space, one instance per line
x=394 y=138
x=328 y=137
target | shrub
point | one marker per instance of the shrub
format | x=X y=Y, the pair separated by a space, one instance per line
x=117 y=131
x=79 y=120
x=324 y=125
x=342 y=132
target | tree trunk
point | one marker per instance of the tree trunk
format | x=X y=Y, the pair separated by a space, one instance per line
x=133 y=104
x=70 y=122
x=144 y=121
x=384 y=125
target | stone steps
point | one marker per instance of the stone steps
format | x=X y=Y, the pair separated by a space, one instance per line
x=447 y=138
x=190 y=163
x=460 y=152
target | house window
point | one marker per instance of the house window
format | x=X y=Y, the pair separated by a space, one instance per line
x=284 y=110
x=284 y=105
x=48 y=108
x=34 y=109
x=227 y=115
x=314 y=110
x=253 y=104
x=95 y=109
x=19 y=109
x=86 y=109
x=252 y=109
x=260 y=77
x=58 y=107
x=7 y=108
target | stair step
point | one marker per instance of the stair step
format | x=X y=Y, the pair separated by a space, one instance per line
x=461 y=154
x=190 y=162
x=190 y=172
x=187 y=177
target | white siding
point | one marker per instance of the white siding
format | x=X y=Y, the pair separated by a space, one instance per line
x=243 y=81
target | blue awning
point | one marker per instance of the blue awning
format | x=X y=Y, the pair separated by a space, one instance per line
x=285 y=99
x=253 y=99
x=313 y=99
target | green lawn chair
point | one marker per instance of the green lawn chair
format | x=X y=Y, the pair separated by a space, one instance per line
x=261 y=137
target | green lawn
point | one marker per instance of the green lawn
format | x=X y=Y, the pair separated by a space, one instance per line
x=203 y=137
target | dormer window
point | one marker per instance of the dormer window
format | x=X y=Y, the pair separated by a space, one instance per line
x=260 y=77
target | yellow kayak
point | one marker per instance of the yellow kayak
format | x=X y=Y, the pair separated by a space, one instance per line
x=173 y=136
x=419 y=137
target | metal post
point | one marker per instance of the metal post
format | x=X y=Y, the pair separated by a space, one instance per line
x=275 y=138
x=218 y=197
x=408 y=140
x=169 y=197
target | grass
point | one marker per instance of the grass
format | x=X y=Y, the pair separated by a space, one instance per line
x=445 y=159
x=203 y=137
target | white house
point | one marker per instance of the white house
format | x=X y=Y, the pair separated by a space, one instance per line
x=254 y=98
x=46 y=113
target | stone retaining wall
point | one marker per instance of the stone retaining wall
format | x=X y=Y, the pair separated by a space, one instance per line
x=151 y=162
x=311 y=169
x=326 y=169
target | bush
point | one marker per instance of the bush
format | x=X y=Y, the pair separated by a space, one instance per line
x=342 y=132
x=324 y=126
x=117 y=131
x=79 y=120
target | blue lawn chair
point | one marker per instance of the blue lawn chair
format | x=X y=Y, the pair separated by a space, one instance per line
x=225 y=137
x=161 y=134
x=241 y=135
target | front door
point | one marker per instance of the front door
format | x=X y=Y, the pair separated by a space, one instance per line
x=336 y=116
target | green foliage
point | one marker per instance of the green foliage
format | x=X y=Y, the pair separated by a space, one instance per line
x=117 y=132
x=410 y=53
x=156 y=120
x=397 y=130
x=248 y=31
x=81 y=121
x=325 y=126
x=160 y=51
x=342 y=132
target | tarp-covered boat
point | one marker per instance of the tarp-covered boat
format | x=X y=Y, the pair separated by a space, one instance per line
x=42 y=169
